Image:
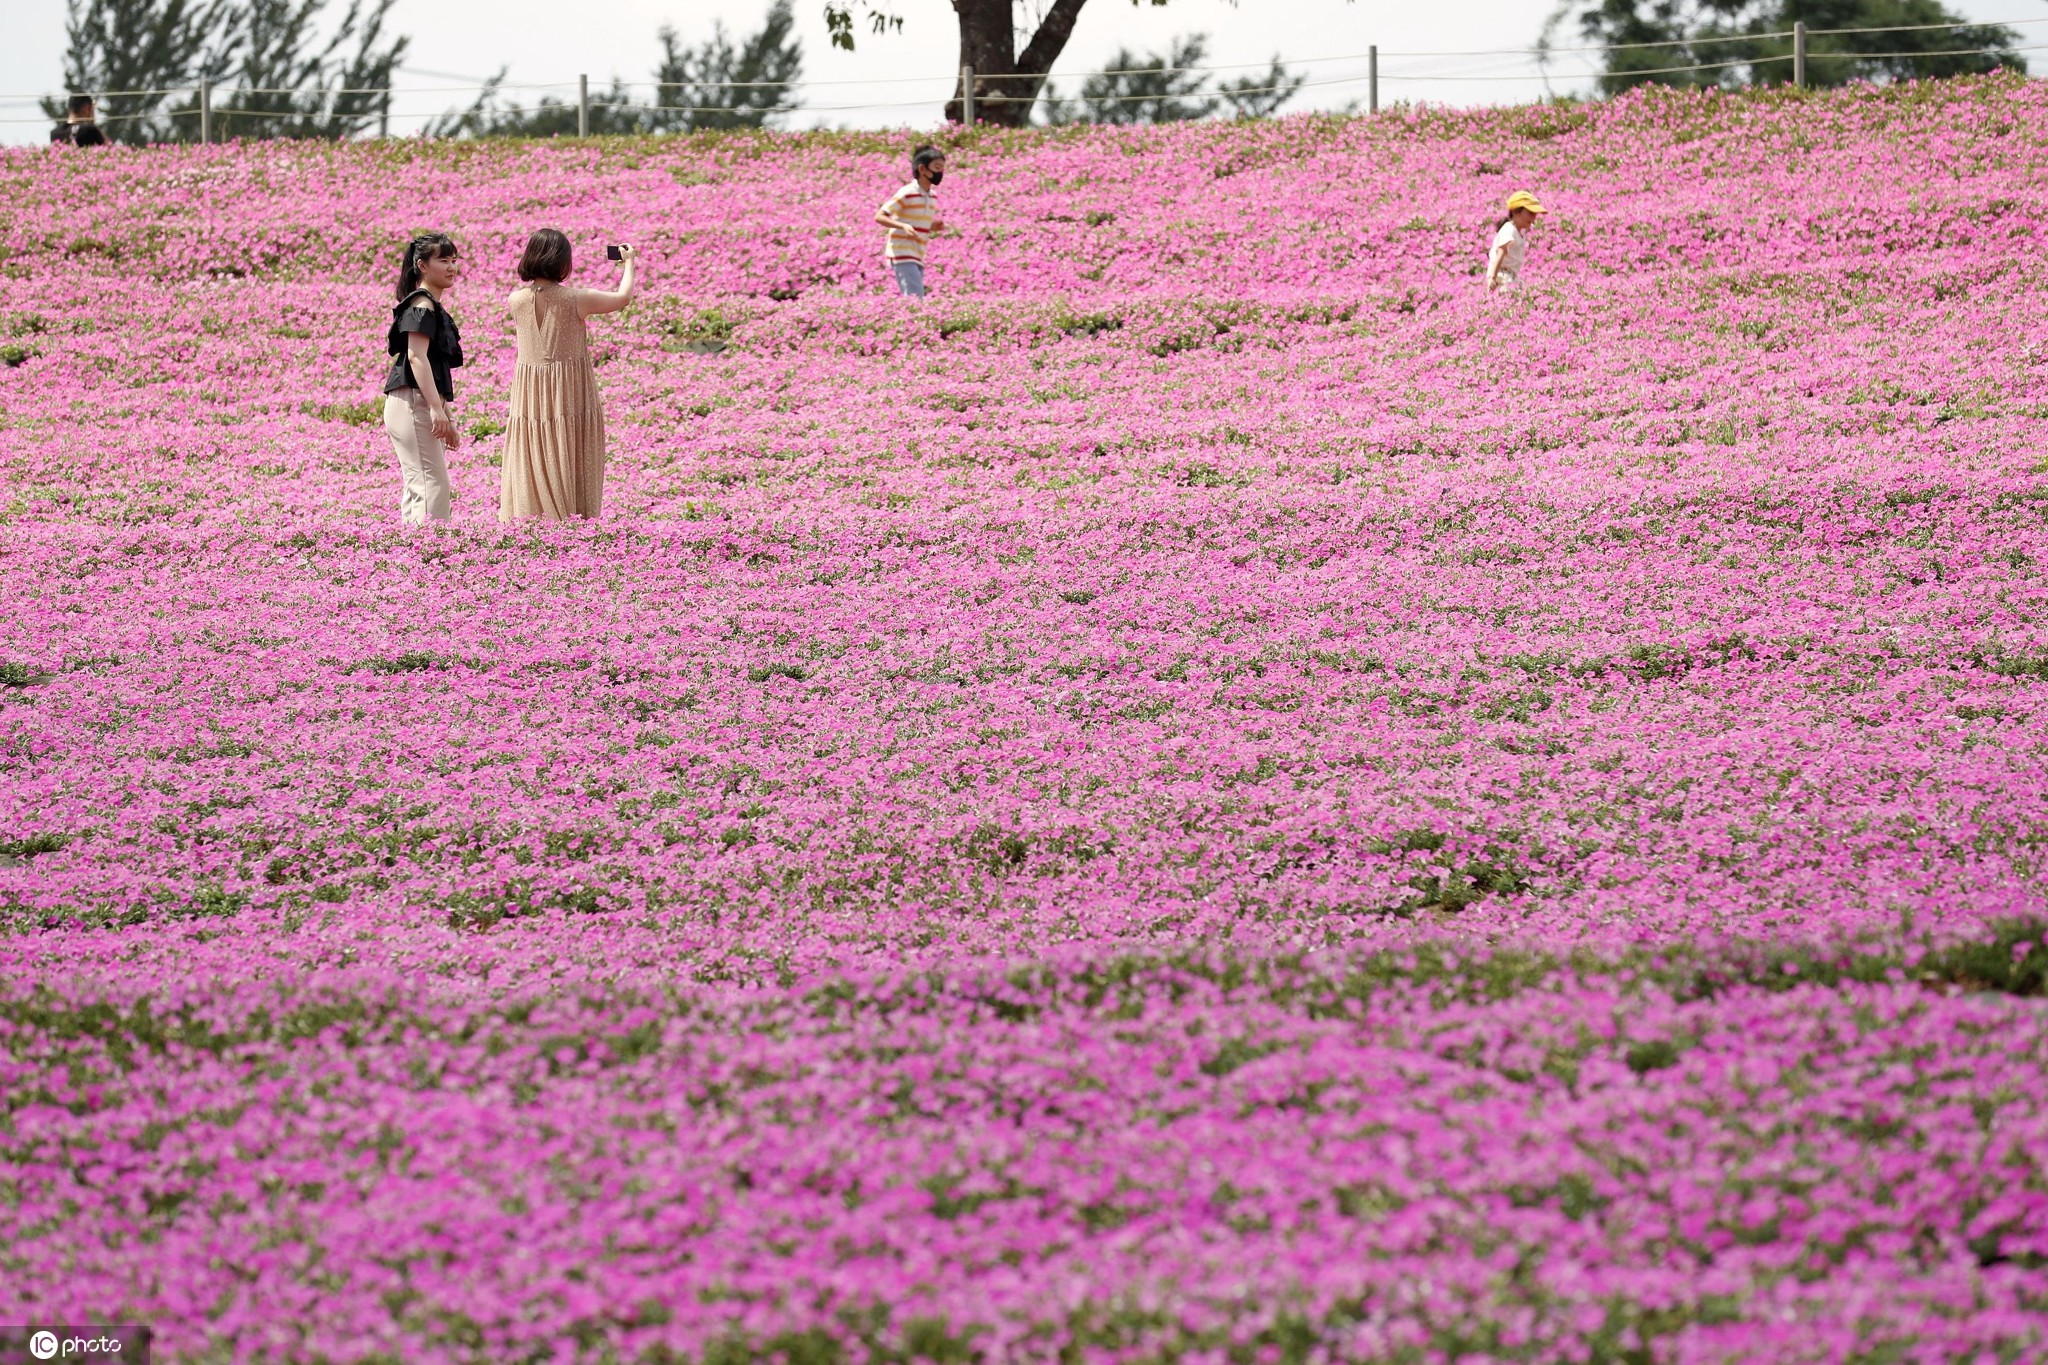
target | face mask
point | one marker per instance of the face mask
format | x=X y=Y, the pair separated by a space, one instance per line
x=937 y=176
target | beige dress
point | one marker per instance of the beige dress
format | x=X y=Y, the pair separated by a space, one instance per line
x=554 y=441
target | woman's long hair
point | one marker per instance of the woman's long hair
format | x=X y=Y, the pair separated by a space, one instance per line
x=427 y=246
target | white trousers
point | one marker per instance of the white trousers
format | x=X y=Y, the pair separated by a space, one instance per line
x=422 y=460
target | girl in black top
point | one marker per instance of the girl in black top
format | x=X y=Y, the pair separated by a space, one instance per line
x=425 y=349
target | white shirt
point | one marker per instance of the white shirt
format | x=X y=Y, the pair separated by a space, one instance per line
x=1512 y=246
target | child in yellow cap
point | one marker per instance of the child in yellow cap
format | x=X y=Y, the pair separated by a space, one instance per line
x=1511 y=243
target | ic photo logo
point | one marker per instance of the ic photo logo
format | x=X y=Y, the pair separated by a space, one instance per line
x=102 y=1344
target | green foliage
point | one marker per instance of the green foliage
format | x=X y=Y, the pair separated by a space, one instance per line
x=612 y=111
x=367 y=413
x=706 y=332
x=718 y=84
x=2013 y=665
x=996 y=848
x=150 y=46
x=1260 y=94
x=1199 y=475
x=1655 y=1055
x=412 y=661
x=1235 y=1053
x=839 y=21
x=294 y=77
x=318 y=77
x=1133 y=89
x=1159 y=88
x=1085 y=324
x=31 y=845
x=2014 y=959
x=1727 y=43
x=1651 y=662
x=212 y=902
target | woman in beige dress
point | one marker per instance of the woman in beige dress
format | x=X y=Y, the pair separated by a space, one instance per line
x=554 y=441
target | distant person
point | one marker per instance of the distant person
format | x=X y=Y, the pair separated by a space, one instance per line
x=912 y=217
x=80 y=127
x=426 y=349
x=1511 y=242
x=554 y=440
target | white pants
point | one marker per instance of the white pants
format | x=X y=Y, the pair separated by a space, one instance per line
x=409 y=422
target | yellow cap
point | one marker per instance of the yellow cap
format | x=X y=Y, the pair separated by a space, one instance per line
x=1522 y=199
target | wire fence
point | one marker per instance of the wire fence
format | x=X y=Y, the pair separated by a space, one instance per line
x=209 y=101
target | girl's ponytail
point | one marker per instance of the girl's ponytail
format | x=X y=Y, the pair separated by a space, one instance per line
x=427 y=246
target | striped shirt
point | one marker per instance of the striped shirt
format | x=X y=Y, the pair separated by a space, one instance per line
x=915 y=206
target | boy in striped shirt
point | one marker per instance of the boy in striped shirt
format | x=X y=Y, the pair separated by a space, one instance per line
x=912 y=217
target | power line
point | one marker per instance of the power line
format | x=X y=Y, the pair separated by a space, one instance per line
x=1631 y=72
x=1713 y=38
x=474 y=84
x=227 y=109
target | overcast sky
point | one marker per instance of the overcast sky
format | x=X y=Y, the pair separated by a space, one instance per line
x=902 y=79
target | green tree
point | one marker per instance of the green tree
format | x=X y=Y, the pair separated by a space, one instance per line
x=1160 y=88
x=1133 y=89
x=1260 y=95
x=491 y=115
x=291 y=81
x=156 y=47
x=716 y=84
x=278 y=70
x=1738 y=42
x=1008 y=78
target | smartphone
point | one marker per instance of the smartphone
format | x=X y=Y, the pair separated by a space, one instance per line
x=612 y=253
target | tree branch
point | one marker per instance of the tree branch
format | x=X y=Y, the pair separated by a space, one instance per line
x=1050 y=40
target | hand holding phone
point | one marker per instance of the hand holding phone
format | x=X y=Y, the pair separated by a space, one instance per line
x=617 y=253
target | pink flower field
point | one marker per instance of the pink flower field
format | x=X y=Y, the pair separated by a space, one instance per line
x=1211 y=793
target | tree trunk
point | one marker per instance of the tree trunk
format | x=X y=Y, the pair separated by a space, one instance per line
x=1006 y=84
